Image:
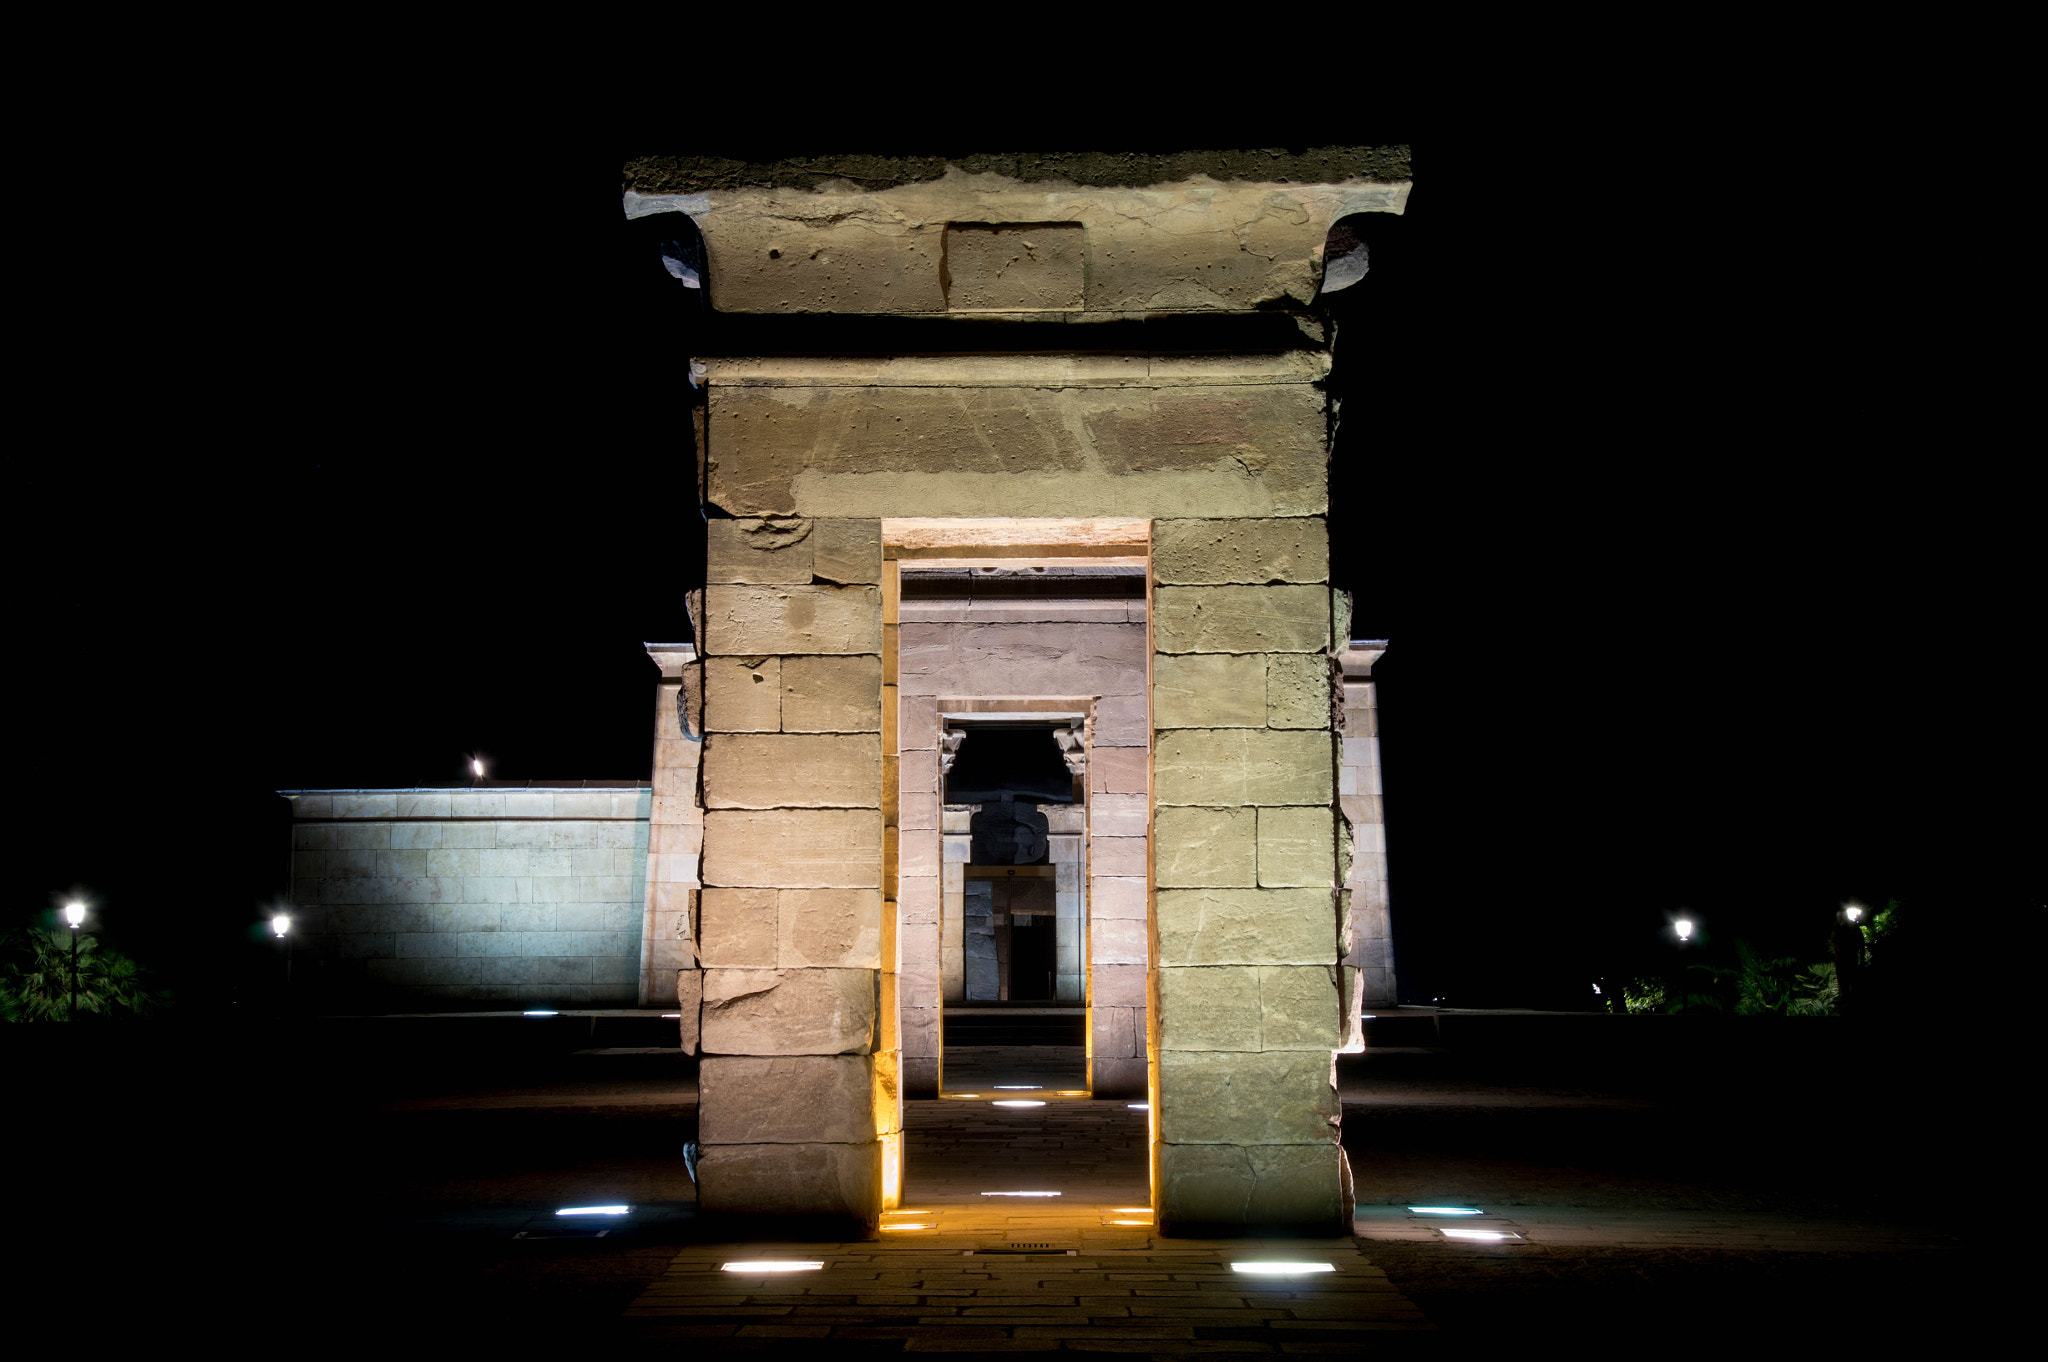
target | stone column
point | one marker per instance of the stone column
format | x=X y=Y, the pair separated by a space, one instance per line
x=798 y=1087
x=1246 y=1009
x=675 y=840
x=1367 y=939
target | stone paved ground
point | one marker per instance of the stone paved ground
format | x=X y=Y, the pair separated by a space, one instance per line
x=279 y=1201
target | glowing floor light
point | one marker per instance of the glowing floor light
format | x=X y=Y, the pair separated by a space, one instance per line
x=1282 y=1269
x=540 y=1012
x=593 y=1210
x=1130 y=1210
x=1479 y=1234
x=1444 y=1210
x=772 y=1265
x=1138 y=1106
x=1020 y=1193
x=1019 y=1102
x=907 y=1227
x=1019 y=1087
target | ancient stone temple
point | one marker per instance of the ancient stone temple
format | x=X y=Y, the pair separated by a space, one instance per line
x=1022 y=458
x=1018 y=680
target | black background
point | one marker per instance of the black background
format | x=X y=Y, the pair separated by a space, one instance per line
x=1703 y=569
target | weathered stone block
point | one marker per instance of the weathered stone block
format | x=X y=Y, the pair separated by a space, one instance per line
x=794 y=848
x=1119 y=770
x=791 y=1179
x=1235 y=766
x=788 y=1011
x=1297 y=690
x=1116 y=986
x=689 y=1002
x=1015 y=266
x=1279 y=1097
x=797 y=1099
x=757 y=551
x=744 y=620
x=1030 y=440
x=1117 y=1076
x=1299 y=1007
x=1116 y=896
x=832 y=694
x=1246 y=927
x=833 y=928
x=1240 y=619
x=1217 y=1188
x=1116 y=815
x=848 y=552
x=1256 y=552
x=788 y=770
x=1199 y=848
x=1209 y=690
x=1297 y=847
x=1117 y=941
x=743 y=694
x=1212 y=1008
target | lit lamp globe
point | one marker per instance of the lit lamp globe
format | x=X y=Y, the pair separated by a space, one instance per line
x=74 y=915
x=281 y=924
x=1853 y=911
x=1684 y=929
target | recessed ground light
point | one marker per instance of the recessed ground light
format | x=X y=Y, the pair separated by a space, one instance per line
x=1018 y=1087
x=671 y=1016
x=1488 y=1235
x=773 y=1265
x=1445 y=1210
x=1139 y=1106
x=1020 y=1193
x=1019 y=1102
x=1282 y=1269
x=1130 y=1222
x=1073 y=1092
x=1130 y=1210
x=907 y=1227
x=593 y=1210
x=1367 y=1016
x=541 y=1012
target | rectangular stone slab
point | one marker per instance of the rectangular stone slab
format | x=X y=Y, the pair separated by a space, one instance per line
x=754 y=550
x=1239 y=926
x=1237 y=766
x=1297 y=847
x=789 y=1099
x=746 y=620
x=1241 y=619
x=1205 y=848
x=791 y=1179
x=1277 y=1097
x=1209 y=690
x=792 y=770
x=743 y=694
x=794 y=848
x=1294 y=1188
x=788 y=1011
x=829 y=928
x=832 y=694
x=1249 y=551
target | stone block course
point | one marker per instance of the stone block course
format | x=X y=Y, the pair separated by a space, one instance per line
x=755 y=550
x=1276 y=1097
x=1298 y=691
x=789 y=770
x=1246 y=1007
x=1249 y=551
x=1240 y=926
x=788 y=1011
x=1239 y=766
x=831 y=928
x=1241 y=619
x=847 y=552
x=747 y=620
x=1209 y=690
x=1198 y=847
x=794 y=1099
x=791 y=1179
x=797 y=848
x=1221 y=1185
x=739 y=927
x=1297 y=847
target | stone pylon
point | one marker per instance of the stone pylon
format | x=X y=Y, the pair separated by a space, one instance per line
x=1023 y=360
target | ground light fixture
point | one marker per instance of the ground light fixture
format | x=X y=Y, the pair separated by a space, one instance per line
x=1019 y=1102
x=1282 y=1269
x=916 y=1225
x=773 y=1265
x=539 y=1012
x=1445 y=1210
x=1019 y=1087
x=1020 y=1193
x=1138 y=1106
x=594 y=1210
x=1486 y=1236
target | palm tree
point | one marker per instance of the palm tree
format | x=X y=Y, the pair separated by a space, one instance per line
x=35 y=981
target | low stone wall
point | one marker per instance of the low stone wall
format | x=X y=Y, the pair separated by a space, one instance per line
x=447 y=898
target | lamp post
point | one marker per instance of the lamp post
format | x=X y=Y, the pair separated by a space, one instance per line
x=74 y=918
x=281 y=924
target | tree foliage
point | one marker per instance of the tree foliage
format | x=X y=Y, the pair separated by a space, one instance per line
x=35 y=979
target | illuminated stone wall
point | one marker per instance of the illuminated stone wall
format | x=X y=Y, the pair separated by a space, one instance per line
x=1196 y=446
x=428 y=899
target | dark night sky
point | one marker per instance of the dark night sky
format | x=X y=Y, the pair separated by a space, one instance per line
x=1696 y=595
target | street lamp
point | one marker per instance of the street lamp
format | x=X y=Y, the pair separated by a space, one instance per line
x=476 y=769
x=281 y=924
x=1684 y=929
x=74 y=918
x=1853 y=911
